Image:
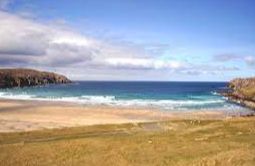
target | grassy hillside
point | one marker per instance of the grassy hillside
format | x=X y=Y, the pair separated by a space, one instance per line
x=20 y=77
x=184 y=142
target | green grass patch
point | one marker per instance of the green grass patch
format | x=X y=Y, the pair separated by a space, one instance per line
x=182 y=142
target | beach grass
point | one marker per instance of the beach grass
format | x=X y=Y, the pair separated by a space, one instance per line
x=179 y=142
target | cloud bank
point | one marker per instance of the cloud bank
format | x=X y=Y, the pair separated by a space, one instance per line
x=248 y=60
x=27 y=42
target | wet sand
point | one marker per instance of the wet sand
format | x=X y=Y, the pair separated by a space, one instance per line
x=20 y=115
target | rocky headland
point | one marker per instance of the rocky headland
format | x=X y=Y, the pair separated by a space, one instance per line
x=242 y=91
x=28 y=77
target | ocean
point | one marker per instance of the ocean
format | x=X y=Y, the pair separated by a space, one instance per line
x=161 y=95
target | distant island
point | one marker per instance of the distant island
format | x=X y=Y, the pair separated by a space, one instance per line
x=20 y=77
x=242 y=91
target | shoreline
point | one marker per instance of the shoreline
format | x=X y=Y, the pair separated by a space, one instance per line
x=250 y=104
x=28 y=115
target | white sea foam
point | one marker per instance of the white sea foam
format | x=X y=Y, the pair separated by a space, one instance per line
x=111 y=100
x=215 y=93
x=80 y=99
x=16 y=96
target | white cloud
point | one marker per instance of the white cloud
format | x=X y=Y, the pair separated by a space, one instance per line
x=71 y=40
x=53 y=44
x=19 y=36
x=44 y=44
x=226 y=57
x=250 y=60
x=25 y=42
x=143 y=63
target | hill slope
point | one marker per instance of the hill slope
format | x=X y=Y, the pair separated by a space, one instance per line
x=27 y=77
x=242 y=91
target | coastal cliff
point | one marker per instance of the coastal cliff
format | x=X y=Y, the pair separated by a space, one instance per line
x=27 y=77
x=242 y=91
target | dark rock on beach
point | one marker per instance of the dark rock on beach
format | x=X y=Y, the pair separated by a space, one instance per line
x=242 y=91
x=27 y=77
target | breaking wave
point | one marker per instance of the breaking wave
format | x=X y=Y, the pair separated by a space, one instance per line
x=113 y=101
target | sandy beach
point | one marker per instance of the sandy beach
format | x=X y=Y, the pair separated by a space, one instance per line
x=21 y=115
x=60 y=133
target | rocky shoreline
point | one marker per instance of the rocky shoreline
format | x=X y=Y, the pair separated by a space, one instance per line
x=242 y=92
x=10 y=78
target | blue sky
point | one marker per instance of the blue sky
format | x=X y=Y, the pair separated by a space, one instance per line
x=198 y=40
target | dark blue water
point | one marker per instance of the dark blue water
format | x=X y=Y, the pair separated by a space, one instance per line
x=164 y=95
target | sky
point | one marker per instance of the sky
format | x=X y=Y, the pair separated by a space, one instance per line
x=141 y=40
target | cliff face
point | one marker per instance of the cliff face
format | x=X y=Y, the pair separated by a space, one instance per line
x=27 y=77
x=242 y=91
x=243 y=88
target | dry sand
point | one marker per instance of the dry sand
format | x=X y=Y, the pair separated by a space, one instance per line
x=34 y=115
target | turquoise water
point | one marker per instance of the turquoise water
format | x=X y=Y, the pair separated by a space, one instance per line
x=163 y=95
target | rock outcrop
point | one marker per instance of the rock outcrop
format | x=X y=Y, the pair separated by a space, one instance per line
x=27 y=77
x=242 y=91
